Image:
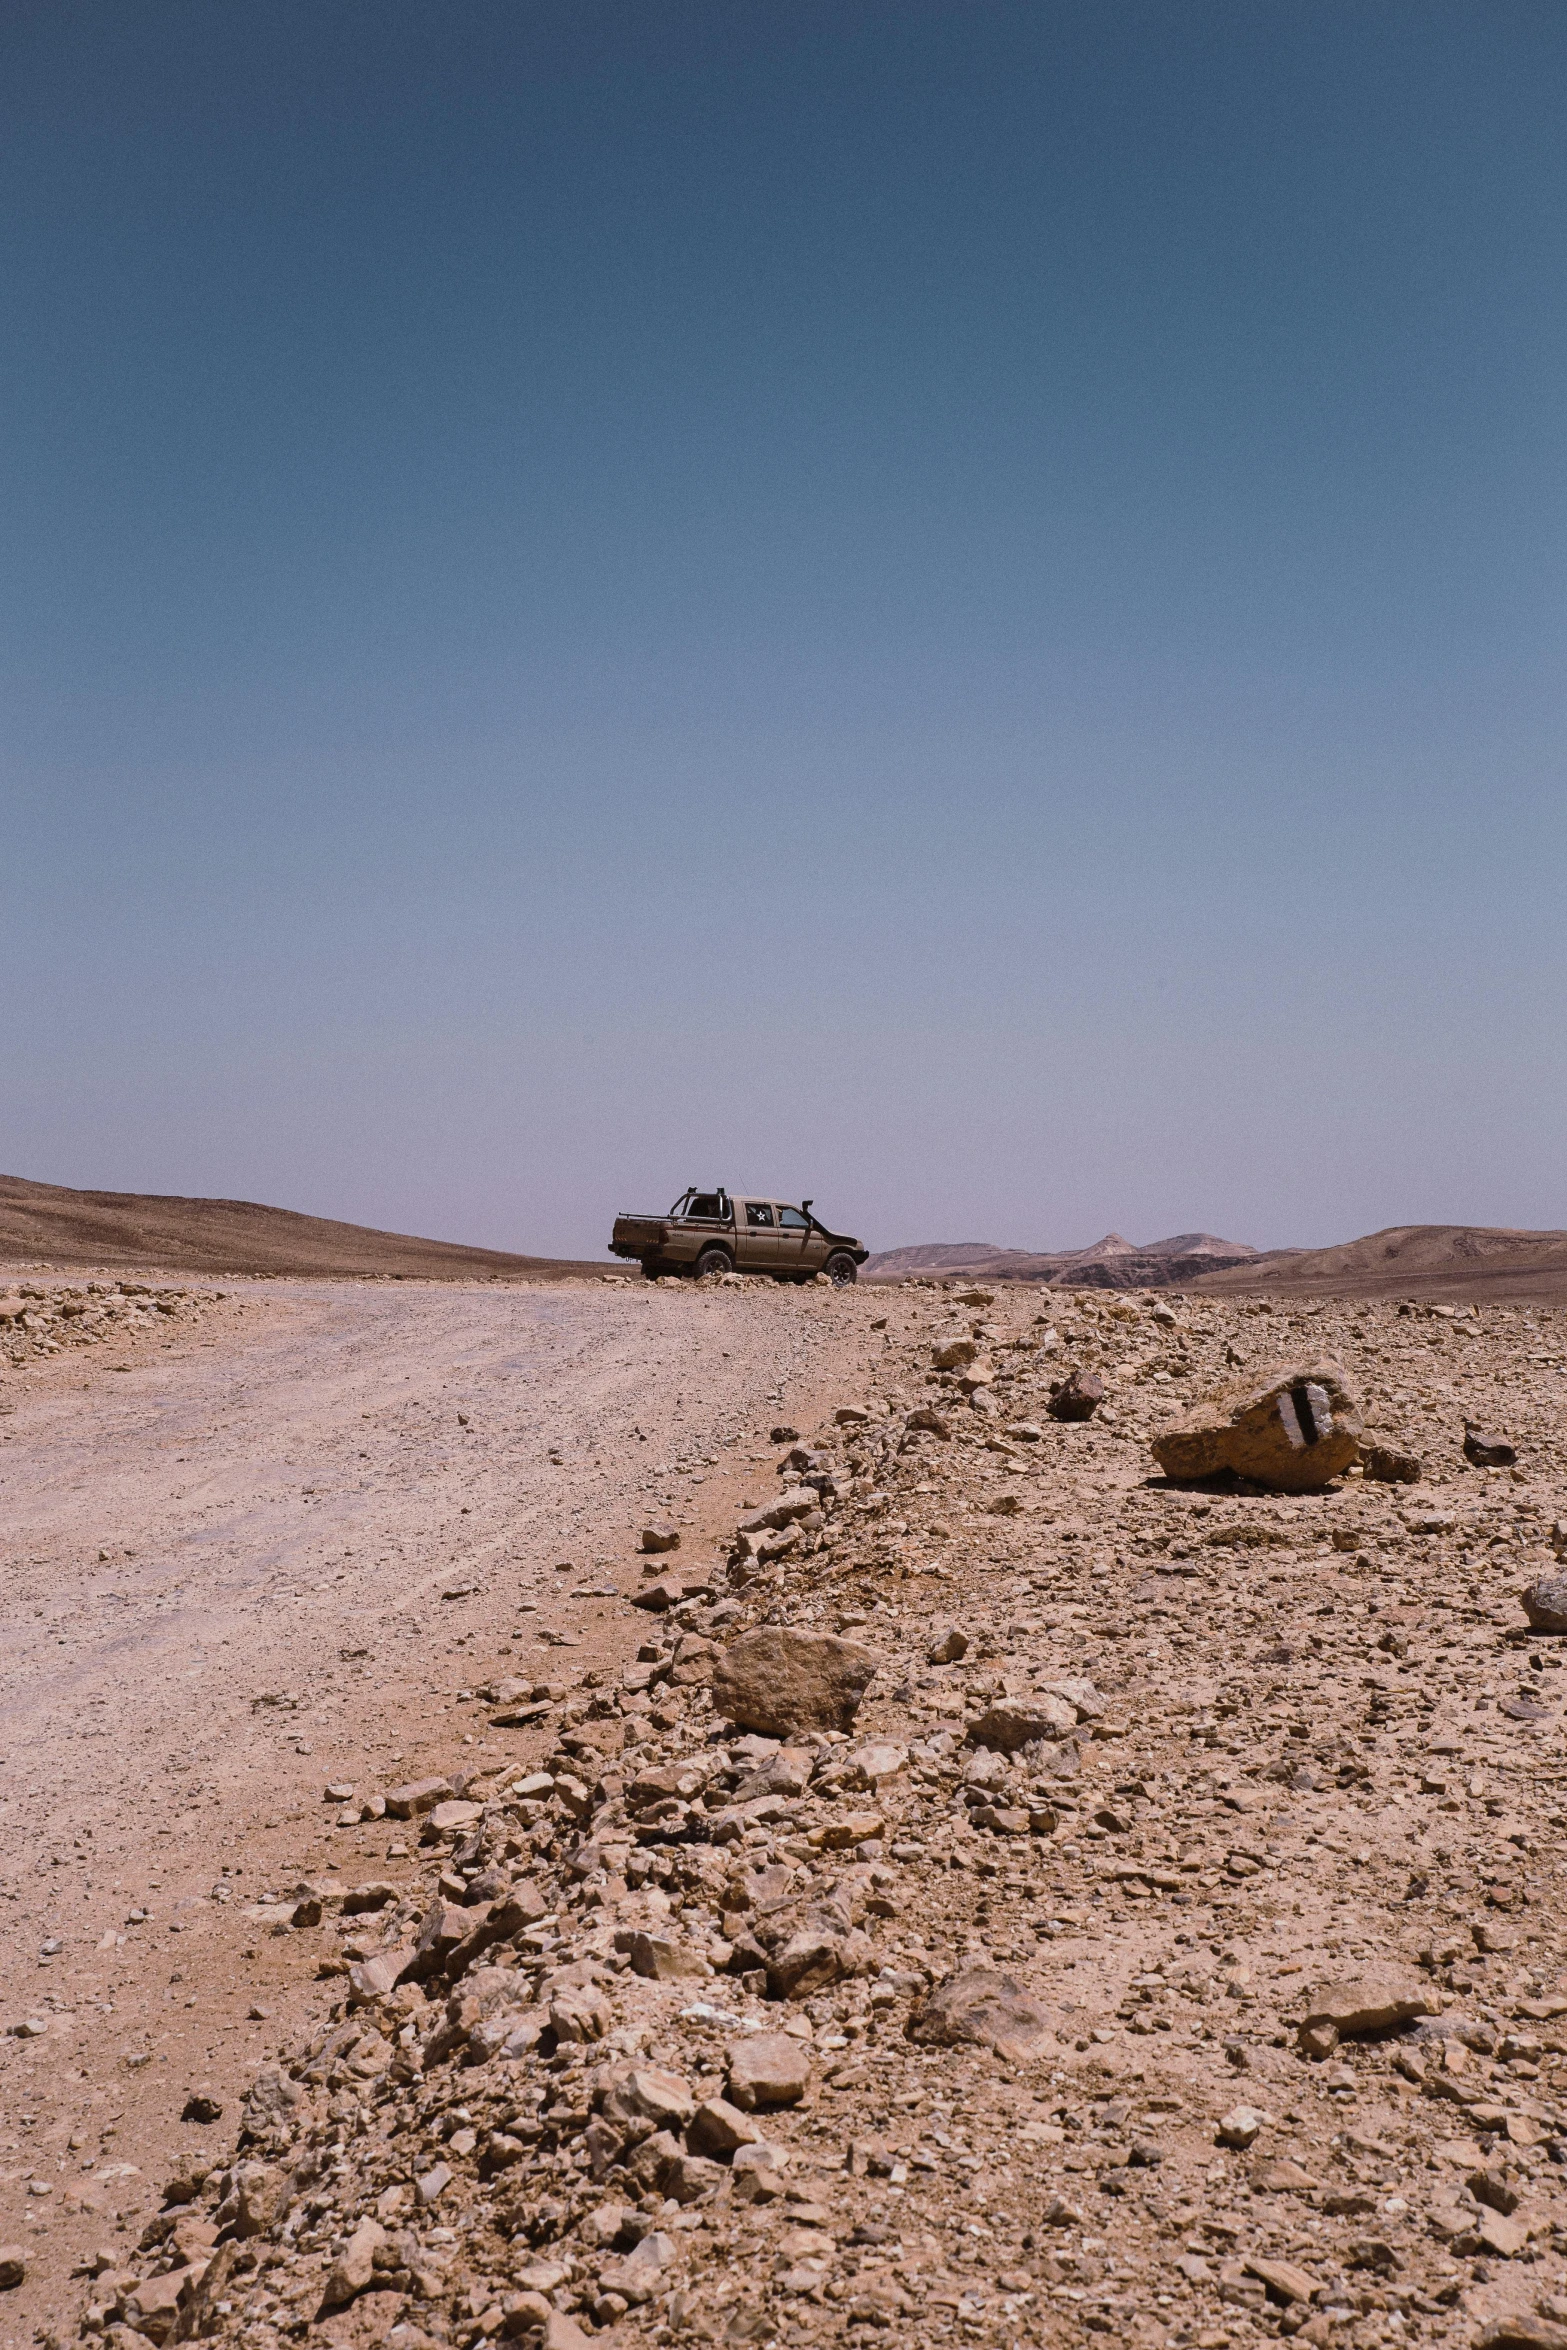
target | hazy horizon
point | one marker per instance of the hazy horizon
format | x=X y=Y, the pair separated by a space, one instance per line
x=951 y=609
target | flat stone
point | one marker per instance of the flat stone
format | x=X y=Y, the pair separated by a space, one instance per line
x=639 y=2276
x=1294 y=1430
x=870 y=1765
x=647 y=2093
x=1015 y=1722
x=354 y=2266
x=669 y=1591
x=718 y=2128
x=1282 y=2177
x=984 y=2008
x=580 y=2012
x=779 y=1681
x=1521 y=2331
x=768 y=2069
x=378 y=1977
x=663 y=1961
x=1501 y=2234
x=449 y=1817
x=1379 y=1999
x=1282 y=2279
x=758 y=2171
x=418 y=1796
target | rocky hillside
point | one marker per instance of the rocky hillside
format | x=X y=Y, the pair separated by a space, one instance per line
x=1003 y=1897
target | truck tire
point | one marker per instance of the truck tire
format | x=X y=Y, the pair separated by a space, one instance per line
x=841 y=1270
x=713 y=1260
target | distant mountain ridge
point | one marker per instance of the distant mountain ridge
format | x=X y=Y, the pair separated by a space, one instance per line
x=1457 y=1262
x=1111 y=1263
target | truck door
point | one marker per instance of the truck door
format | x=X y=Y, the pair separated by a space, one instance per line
x=795 y=1252
x=757 y=1238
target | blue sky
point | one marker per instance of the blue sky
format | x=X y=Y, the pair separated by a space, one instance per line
x=959 y=609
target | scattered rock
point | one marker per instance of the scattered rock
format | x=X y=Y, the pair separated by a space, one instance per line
x=1077 y=1397
x=947 y=1646
x=1386 y=1461
x=779 y=1681
x=1294 y=1430
x=979 y=2005
x=1483 y=1449
x=1240 y=2126
x=659 y=1536
x=13 y=2266
x=768 y=2069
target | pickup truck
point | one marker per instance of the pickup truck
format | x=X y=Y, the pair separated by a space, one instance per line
x=711 y=1232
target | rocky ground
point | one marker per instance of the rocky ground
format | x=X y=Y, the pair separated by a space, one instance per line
x=40 y=1319
x=973 y=1891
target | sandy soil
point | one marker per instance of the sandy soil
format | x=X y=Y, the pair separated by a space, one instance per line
x=230 y=1577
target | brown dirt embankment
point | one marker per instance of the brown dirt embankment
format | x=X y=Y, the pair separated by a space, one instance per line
x=46 y=1223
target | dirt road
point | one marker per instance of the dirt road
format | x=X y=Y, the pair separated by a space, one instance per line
x=258 y=1563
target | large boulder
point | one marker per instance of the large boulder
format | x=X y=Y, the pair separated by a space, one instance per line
x=1294 y=1429
x=1545 y=1603
x=983 y=2008
x=779 y=1681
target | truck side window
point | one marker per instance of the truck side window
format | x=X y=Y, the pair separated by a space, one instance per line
x=791 y=1220
x=758 y=1212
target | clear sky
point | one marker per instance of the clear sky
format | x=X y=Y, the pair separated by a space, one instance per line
x=955 y=608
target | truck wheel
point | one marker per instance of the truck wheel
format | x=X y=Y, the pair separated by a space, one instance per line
x=841 y=1271
x=713 y=1260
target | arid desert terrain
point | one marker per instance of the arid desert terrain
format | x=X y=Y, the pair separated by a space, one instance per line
x=1142 y=1919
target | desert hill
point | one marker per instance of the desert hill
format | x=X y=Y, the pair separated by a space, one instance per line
x=1439 y=1261
x=44 y=1223
x=1111 y=1263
